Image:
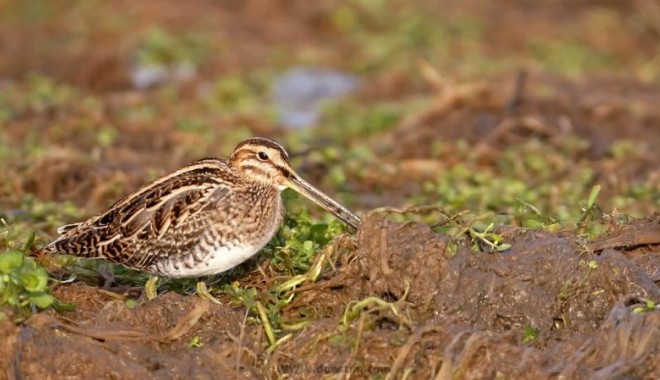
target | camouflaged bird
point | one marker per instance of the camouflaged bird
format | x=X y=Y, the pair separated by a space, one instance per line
x=202 y=219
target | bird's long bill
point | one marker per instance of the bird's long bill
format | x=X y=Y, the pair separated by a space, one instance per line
x=324 y=201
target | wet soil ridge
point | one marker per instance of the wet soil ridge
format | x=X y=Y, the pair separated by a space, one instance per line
x=545 y=283
x=398 y=302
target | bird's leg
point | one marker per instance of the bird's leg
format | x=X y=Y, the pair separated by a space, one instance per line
x=105 y=270
x=150 y=288
x=203 y=292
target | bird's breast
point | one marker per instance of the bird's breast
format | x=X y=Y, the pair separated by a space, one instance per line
x=230 y=239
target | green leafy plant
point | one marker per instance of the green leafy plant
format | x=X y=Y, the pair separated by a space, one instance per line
x=298 y=250
x=300 y=238
x=590 y=212
x=23 y=283
x=487 y=237
x=162 y=47
x=647 y=307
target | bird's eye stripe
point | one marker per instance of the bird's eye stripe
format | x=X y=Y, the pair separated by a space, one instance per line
x=283 y=171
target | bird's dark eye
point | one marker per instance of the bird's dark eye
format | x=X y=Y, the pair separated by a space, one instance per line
x=263 y=156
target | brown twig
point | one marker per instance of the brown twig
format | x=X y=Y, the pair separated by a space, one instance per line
x=383 y=252
x=241 y=336
x=451 y=218
x=351 y=358
x=646 y=235
x=507 y=125
x=405 y=350
x=518 y=94
x=217 y=358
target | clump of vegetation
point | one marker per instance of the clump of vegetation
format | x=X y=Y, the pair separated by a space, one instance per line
x=301 y=251
x=160 y=47
x=37 y=94
x=299 y=240
x=23 y=283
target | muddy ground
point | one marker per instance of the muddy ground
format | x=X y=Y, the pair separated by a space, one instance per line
x=392 y=300
x=446 y=317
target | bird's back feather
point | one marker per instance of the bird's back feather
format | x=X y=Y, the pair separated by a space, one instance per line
x=176 y=202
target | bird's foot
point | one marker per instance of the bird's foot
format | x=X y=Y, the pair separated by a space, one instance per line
x=105 y=270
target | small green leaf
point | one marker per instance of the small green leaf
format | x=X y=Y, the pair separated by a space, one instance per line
x=30 y=240
x=503 y=247
x=195 y=342
x=63 y=307
x=107 y=134
x=592 y=196
x=495 y=237
x=35 y=280
x=318 y=233
x=649 y=306
x=530 y=334
x=337 y=340
x=11 y=260
x=130 y=303
x=9 y=298
x=42 y=300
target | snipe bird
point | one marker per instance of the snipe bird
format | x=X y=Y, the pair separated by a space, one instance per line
x=202 y=219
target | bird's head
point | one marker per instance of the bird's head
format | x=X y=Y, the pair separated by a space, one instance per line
x=262 y=160
x=265 y=161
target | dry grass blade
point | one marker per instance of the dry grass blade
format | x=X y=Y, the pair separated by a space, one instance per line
x=186 y=323
x=405 y=350
x=222 y=362
x=451 y=363
x=183 y=326
x=351 y=358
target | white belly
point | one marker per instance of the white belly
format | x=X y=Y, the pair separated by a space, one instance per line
x=220 y=260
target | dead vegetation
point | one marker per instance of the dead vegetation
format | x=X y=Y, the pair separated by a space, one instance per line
x=395 y=304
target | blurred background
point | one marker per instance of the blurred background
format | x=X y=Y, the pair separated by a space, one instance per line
x=516 y=107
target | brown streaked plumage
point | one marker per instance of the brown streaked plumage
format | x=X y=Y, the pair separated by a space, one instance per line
x=202 y=219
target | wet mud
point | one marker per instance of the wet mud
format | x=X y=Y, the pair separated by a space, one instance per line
x=446 y=315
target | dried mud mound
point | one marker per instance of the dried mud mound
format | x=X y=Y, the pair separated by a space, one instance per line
x=465 y=316
x=546 y=281
x=110 y=340
x=393 y=257
x=396 y=303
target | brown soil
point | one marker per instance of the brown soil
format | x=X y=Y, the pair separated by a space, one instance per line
x=448 y=316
